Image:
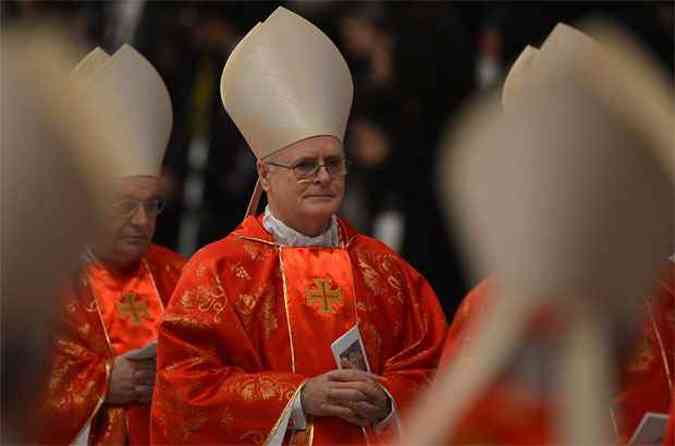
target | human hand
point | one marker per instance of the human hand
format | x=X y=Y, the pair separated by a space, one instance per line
x=352 y=395
x=131 y=381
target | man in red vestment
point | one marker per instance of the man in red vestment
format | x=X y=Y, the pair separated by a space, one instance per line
x=245 y=345
x=511 y=411
x=98 y=392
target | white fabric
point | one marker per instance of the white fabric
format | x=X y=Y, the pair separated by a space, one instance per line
x=83 y=437
x=391 y=418
x=298 y=418
x=287 y=236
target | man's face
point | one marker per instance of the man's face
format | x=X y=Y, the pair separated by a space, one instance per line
x=130 y=220
x=305 y=203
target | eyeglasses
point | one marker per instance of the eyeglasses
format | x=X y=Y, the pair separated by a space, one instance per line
x=127 y=208
x=309 y=168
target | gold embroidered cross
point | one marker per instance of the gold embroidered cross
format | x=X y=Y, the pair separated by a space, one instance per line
x=324 y=295
x=133 y=308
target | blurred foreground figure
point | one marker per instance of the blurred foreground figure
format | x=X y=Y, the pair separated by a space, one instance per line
x=51 y=192
x=645 y=381
x=567 y=199
x=101 y=385
x=246 y=348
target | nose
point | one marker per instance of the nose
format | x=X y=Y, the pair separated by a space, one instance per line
x=322 y=175
x=140 y=216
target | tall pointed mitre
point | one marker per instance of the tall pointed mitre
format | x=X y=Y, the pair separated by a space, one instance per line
x=285 y=82
x=558 y=55
x=516 y=79
x=142 y=113
x=90 y=63
x=535 y=70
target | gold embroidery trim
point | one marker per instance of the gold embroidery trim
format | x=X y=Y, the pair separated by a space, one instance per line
x=664 y=355
x=154 y=285
x=100 y=318
x=288 y=314
x=101 y=400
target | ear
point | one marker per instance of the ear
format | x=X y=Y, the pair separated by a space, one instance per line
x=263 y=173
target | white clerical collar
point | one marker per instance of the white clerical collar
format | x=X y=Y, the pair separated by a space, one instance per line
x=284 y=235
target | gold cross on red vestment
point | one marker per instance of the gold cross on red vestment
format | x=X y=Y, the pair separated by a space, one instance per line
x=322 y=293
x=133 y=308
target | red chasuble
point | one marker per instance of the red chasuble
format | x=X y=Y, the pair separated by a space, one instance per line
x=250 y=321
x=504 y=415
x=105 y=315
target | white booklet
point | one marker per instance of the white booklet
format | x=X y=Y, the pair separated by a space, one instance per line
x=148 y=351
x=651 y=430
x=349 y=351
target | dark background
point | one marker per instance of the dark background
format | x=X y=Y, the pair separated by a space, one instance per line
x=413 y=63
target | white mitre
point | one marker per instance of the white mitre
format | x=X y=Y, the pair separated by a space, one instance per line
x=516 y=79
x=142 y=113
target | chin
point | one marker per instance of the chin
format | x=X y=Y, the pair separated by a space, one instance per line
x=134 y=252
x=321 y=210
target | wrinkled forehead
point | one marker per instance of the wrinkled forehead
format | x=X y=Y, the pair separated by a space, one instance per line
x=314 y=147
x=137 y=187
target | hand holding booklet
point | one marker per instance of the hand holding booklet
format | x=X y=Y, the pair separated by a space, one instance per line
x=149 y=351
x=349 y=351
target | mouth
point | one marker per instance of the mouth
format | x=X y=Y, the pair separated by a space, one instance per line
x=134 y=239
x=320 y=196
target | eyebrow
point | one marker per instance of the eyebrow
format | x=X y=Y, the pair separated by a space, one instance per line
x=316 y=158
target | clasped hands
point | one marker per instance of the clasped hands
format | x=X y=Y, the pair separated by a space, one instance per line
x=131 y=381
x=352 y=395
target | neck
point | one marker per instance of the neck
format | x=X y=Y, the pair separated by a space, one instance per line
x=309 y=229
x=288 y=236
x=304 y=227
x=115 y=265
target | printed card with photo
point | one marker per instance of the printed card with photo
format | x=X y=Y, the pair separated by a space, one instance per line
x=651 y=430
x=349 y=351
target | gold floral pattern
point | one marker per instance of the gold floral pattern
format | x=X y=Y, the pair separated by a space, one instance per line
x=240 y=272
x=256 y=251
x=84 y=329
x=200 y=270
x=373 y=341
x=643 y=357
x=270 y=322
x=92 y=307
x=259 y=388
x=227 y=419
x=245 y=304
x=371 y=277
x=209 y=298
x=254 y=437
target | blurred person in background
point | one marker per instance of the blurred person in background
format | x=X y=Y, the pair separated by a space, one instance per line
x=98 y=393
